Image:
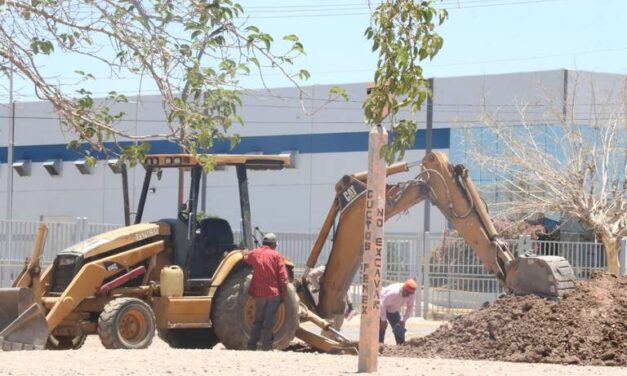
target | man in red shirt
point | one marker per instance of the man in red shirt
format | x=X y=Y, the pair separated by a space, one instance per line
x=268 y=287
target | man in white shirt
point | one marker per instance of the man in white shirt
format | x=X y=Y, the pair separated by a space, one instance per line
x=314 y=277
x=393 y=298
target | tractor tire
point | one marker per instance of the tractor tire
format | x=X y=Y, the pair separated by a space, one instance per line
x=65 y=342
x=126 y=323
x=189 y=338
x=232 y=317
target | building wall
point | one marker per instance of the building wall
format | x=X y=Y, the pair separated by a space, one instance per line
x=330 y=138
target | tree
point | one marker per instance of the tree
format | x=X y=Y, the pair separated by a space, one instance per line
x=512 y=230
x=565 y=165
x=403 y=34
x=194 y=51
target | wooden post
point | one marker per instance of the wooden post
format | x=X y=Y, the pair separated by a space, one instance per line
x=372 y=252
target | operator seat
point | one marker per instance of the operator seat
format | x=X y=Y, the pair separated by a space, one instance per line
x=213 y=240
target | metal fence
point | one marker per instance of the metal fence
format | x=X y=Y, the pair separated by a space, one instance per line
x=584 y=257
x=452 y=279
x=18 y=237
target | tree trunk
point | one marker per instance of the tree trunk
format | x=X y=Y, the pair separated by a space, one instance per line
x=612 y=250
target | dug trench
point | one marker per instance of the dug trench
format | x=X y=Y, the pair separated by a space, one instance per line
x=587 y=327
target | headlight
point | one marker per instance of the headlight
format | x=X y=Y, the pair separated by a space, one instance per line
x=63 y=261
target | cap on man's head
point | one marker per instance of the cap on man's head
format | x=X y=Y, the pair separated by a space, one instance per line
x=410 y=285
x=269 y=238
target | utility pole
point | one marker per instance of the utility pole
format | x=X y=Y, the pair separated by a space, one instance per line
x=428 y=146
x=10 y=145
x=427 y=209
x=11 y=142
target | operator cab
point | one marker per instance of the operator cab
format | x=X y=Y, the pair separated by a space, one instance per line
x=213 y=239
x=199 y=245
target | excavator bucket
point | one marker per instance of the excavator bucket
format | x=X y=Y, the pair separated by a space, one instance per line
x=23 y=325
x=547 y=276
x=325 y=344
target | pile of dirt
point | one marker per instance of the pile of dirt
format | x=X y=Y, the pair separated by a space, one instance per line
x=589 y=326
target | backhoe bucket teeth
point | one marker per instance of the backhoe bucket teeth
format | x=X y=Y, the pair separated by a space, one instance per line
x=23 y=325
x=325 y=344
x=547 y=276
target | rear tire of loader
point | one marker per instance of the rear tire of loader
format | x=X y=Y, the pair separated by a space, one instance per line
x=126 y=323
x=65 y=342
x=189 y=338
x=229 y=313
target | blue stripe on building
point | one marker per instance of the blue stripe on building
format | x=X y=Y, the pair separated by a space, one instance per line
x=303 y=143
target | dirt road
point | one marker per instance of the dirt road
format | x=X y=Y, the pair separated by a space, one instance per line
x=160 y=360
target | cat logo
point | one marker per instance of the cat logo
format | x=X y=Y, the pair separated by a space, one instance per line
x=111 y=266
x=350 y=193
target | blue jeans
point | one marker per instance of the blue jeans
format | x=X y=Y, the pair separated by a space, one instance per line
x=394 y=318
x=265 y=317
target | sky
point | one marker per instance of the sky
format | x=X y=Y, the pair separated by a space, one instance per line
x=480 y=37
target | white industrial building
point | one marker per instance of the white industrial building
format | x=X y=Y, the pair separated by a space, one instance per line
x=328 y=141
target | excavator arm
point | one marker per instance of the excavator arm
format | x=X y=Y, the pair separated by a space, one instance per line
x=450 y=189
x=454 y=193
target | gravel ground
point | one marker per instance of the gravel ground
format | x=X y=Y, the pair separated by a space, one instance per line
x=160 y=360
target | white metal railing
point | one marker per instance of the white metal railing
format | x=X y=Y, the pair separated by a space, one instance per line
x=452 y=278
x=17 y=239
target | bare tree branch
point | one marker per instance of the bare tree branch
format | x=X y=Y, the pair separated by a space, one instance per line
x=562 y=165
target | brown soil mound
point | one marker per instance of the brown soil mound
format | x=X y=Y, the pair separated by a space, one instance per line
x=589 y=326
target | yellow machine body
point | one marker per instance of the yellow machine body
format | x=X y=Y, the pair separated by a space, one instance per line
x=129 y=276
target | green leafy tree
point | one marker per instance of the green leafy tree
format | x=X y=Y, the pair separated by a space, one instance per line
x=403 y=34
x=193 y=51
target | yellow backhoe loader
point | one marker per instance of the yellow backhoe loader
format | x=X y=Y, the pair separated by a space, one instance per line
x=125 y=284
x=181 y=277
x=450 y=189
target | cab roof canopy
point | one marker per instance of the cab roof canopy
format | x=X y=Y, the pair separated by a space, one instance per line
x=251 y=161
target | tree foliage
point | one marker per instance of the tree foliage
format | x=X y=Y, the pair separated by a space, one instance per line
x=194 y=51
x=403 y=34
